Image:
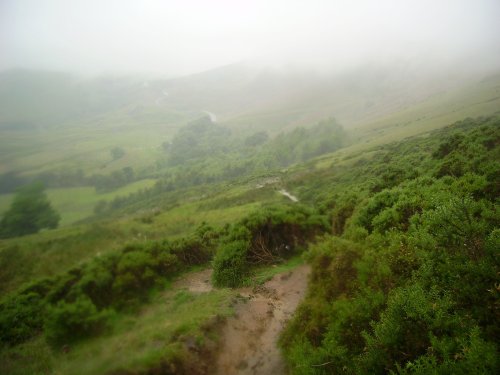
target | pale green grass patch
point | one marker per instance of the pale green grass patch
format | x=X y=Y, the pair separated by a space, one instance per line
x=155 y=335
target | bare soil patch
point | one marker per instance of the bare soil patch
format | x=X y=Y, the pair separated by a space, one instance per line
x=248 y=343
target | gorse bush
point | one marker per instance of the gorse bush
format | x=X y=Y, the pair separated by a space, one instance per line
x=79 y=303
x=230 y=264
x=70 y=322
x=264 y=237
x=21 y=317
x=415 y=290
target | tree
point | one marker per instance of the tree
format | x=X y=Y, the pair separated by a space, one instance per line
x=29 y=212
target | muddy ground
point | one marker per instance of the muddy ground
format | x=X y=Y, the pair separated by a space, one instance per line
x=248 y=340
x=248 y=343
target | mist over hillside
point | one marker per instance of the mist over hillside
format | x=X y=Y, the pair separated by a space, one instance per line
x=354 y=96
x=249 y=187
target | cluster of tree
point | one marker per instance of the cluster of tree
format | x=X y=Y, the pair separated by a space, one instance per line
x=205 y=153
x=198 y=139
x=112 y=181
x=117 y=153
x=303 y=144
x=63 y=178
x=29 y=212
x=202 y=140
x=407 y=281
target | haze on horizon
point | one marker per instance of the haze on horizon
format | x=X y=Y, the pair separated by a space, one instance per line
x=174 y=38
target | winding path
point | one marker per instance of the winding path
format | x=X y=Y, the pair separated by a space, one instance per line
x=212 y=116
x=249 y=340
x=285 y=193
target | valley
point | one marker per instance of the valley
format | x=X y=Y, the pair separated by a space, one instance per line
x=267 y=236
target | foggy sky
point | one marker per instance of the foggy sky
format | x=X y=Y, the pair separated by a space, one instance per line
x=180 y=37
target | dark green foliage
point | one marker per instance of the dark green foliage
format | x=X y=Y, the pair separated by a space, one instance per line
x=449 y=145
x=230 y=264
x=21 y=317
x=304 y=144
x=113 y=180
x=78 y=303
x=200 y=138
x=461 y=225
x=70 y=322
x=256 y=139
x=30 y=212
x=416 y=292
x=264 y=237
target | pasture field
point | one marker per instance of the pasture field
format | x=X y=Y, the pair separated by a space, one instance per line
x=74 y=204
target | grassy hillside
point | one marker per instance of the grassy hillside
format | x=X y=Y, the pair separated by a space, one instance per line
x=405 y=281
x=55 y=122
x=386 y=240
x=394 y=203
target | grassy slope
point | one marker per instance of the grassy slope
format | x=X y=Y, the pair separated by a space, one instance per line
x=51 y=252
x=87 y=146
x=146 y=336
x=140 y=343
x=147 y=340
x=157 y=333
x=403 y=114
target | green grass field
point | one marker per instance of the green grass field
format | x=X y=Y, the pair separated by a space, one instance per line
x=74 y=204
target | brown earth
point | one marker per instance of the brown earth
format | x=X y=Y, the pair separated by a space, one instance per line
x=248 y=342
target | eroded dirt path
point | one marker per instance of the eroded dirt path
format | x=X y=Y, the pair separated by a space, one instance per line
x=249 y=339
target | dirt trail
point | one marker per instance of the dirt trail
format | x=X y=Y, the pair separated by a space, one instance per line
x=249 y=339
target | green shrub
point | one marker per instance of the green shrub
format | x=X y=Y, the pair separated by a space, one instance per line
x=97 y=281
x=473 y=355
x=264 y=237
x=21 y=317
x=327 y=327
x=70 y=322
x=134 y=271
x=230 y=265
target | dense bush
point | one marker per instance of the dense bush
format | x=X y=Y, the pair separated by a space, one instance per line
x=70 y=322
x=21 y=317
x=265 y=236
x=416 y=291
x=230 y=264
x=78 y=303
